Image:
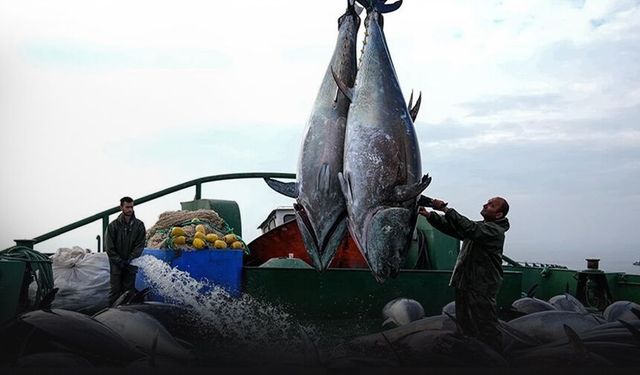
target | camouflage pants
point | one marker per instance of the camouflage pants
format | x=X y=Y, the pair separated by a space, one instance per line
x=477 y=315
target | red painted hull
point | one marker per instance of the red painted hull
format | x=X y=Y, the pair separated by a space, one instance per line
x=286 y=239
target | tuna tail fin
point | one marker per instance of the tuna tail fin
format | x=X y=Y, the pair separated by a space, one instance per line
x=405 y=192
x=346 y=90
x=351 y=4
x=290 y=189
x=380 y=6
x=358 y=9
x=414 y=111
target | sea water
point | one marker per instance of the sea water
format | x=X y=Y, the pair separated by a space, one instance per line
x=232 y=326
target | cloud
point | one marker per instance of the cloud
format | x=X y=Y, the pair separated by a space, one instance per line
x=538 y=101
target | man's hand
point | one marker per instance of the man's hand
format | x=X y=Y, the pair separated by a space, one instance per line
x=423 y=211
x=439 y=205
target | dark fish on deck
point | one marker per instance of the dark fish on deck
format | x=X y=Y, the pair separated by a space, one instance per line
x=320 y=206
x=144 y=332
x=183 y=323
x=382 y=178
x=401 y=311
x=529 y=305
x=52 y=360
x=426 y=347
x=567 y=302
x=44 y=331
x=449 y=308
x=547 y=326
x=621 y=310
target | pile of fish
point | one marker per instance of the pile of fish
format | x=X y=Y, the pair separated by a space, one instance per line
x=548 y=334
x=189 y=329
x=359 y=165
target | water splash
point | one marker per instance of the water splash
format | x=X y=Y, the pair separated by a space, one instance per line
x=236 y=323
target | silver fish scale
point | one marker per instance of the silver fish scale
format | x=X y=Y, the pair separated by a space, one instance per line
x=381 y=153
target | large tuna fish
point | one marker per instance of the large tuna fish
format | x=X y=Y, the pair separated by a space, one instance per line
x=382 y=176
x=320 y=206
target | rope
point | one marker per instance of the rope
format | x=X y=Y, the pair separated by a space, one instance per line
x=38 y=264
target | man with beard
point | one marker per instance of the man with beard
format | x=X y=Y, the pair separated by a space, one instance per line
x=477 y=275
x=125 y=240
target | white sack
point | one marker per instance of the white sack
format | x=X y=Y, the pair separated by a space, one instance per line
x=83 y=280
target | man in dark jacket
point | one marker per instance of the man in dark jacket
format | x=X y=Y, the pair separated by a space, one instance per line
x=477 y=274
x=125 y=239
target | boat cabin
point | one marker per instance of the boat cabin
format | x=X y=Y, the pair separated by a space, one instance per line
x=277 y=217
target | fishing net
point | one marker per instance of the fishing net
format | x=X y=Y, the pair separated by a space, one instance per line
x=178 y=230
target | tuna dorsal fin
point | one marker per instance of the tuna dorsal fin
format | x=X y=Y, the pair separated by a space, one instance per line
x=454 y=320
x=517 y=335
x=410 y=100
x=346 y=90
x=414 y=111
x=290 y=189
x=154 y=349
x=636 y=312
x=575 y=340
x=532 y=291
x=323 y=181
x=121 y=300
x=138 y=296
x=47 y=300
x=405 y=192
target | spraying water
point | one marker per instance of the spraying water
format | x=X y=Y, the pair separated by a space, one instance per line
x=232 y=324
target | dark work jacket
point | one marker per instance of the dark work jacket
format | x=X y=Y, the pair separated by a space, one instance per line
x=124 y=241
x=479 y=264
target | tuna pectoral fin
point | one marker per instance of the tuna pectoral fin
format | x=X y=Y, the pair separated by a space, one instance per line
x=323 y=182
x=344 y=185
x=413 y=112
x=405 y=192
x=290 y=189
x=346 y=90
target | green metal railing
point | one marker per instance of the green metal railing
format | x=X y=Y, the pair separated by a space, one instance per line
x=104 y=215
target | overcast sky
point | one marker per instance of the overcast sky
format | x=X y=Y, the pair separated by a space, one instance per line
x=536 y=101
